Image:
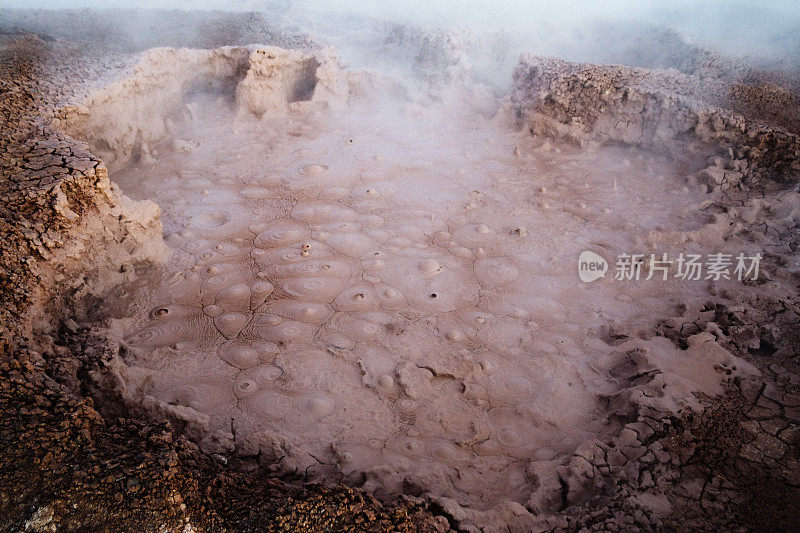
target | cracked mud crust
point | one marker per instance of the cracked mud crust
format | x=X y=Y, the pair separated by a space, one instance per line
x=73 y=463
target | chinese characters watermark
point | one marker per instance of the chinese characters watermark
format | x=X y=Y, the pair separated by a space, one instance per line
x=686 y=266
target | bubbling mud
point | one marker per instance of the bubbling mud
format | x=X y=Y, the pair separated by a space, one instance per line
x=385 y=293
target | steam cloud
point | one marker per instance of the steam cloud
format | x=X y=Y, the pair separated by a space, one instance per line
x=763 y=31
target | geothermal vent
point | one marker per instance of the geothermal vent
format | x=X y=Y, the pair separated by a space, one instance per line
x=365 y=295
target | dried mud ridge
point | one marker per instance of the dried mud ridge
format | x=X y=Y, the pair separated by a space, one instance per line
x=697 y=119
x=70 y=464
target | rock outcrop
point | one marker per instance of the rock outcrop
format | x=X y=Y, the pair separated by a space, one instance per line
x=687 y=116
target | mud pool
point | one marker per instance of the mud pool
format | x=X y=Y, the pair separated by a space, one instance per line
x=385 y=293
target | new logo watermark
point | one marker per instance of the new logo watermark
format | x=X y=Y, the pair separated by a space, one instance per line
x=692 y=267
x=591 y=266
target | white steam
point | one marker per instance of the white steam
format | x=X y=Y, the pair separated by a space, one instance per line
x=765 y=31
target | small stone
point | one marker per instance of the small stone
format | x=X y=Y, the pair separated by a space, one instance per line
x=790 y=435
x=772 y=426
x=761 y=413
x=771 y=447
x=751 y=453
x=791 y=400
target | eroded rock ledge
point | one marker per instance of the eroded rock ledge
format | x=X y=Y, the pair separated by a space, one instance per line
x=687 y=116
x=67 y=225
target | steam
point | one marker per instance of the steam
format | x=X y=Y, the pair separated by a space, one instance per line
x=766 y=32
x=762 y=31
